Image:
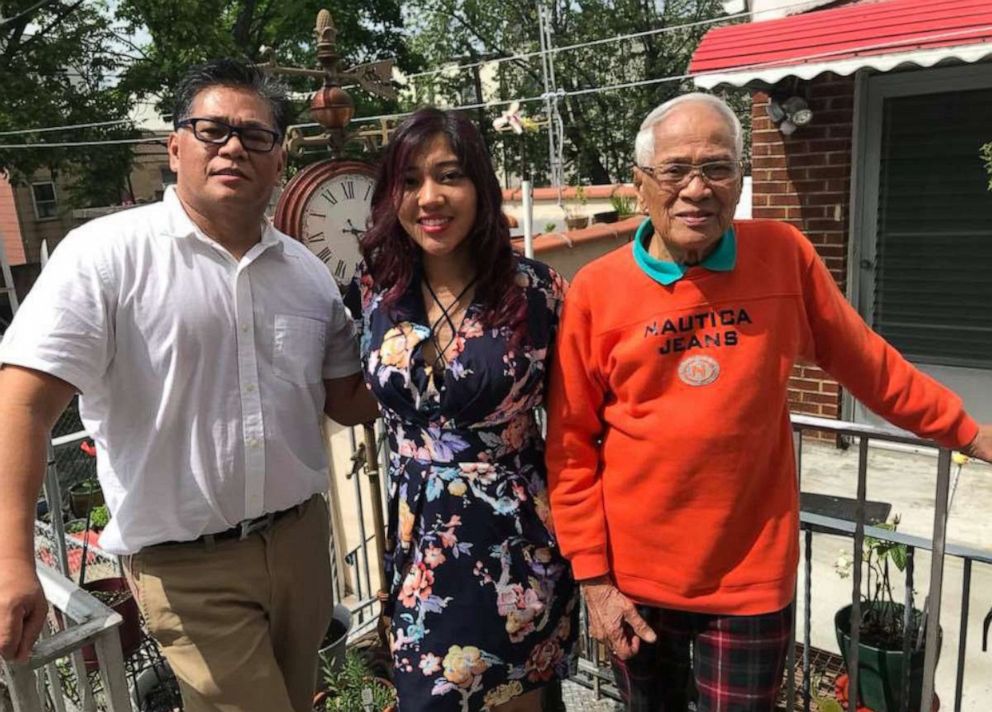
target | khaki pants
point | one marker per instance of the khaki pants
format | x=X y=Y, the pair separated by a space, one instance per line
x=240 y=622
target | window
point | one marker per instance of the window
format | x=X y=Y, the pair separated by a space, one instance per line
x=45 y=204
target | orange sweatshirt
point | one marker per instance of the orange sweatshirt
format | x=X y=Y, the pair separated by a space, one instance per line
x=669 y=447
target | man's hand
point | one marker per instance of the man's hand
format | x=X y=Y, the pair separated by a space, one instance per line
x=613 y=619
x=22 y=609
x=981 y=446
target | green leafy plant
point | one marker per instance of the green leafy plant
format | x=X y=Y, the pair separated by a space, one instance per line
x=882 y=622
x=986 y=153
x=550 y=226
x=576 y=207
x=99 y=518
x=623 y=204
x=86 y=486
x=353 y=687
x=75 y=526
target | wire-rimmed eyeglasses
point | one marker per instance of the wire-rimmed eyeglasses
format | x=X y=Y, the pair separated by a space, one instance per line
x=679 y=175
x=253 y=138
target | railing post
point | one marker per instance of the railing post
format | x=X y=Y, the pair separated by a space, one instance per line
x=859 y=541
x=932 y=619
x=907 y=619
x=23 y=687
x=963 y=634
x=110 y=658
x=790 y=657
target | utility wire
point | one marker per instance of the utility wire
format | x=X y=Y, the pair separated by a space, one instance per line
x=65 y=128
x=72 y=144
x=526 y=55
x=792 y=61
x=607 y=40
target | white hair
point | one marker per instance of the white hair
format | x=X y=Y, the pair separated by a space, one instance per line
x=644 y=143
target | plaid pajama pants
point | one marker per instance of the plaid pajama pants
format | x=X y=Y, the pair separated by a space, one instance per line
x=723 y=663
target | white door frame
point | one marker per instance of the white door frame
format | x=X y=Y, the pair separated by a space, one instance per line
x=870 y=93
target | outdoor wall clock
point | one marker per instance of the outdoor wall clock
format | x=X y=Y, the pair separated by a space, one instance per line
x=326 y=206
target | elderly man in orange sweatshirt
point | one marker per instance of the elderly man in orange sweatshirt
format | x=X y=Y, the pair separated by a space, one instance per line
x=669 y=448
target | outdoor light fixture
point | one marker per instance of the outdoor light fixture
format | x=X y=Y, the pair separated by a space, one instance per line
x=789 y=113
x=797 y=111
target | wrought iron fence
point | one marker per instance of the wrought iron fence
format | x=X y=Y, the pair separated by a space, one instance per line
x=593 y=669
x=355 y=581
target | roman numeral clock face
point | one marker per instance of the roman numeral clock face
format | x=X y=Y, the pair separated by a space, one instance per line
x=333 y=219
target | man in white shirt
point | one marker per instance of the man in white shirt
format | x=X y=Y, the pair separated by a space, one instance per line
x=205 y=345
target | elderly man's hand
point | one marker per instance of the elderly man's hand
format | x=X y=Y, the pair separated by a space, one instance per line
x=981 y=446
x=22 y=609
x=613 y=619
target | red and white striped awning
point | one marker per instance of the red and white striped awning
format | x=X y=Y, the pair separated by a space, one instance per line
x=880 y=36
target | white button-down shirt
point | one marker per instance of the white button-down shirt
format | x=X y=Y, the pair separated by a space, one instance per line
x=201 y=375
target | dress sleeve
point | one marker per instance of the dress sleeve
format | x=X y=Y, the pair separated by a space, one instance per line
x=575 y=402
x=873 y=370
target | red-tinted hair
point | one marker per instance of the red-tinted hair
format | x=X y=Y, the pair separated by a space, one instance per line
x=390 y=254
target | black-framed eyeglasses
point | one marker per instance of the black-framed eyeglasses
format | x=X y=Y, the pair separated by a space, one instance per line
x=253 y=138
x=679 y=175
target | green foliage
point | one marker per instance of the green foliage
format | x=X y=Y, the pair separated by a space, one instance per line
x=349 y=689
x=599 y=127
x=550 y=226
x=58 y=62
x=883 y=617
x=99 y=518
x=75 y=526
x=185 y=32
x=623 y=204
x=86 y=486
x=84 y=61
x=986 y=154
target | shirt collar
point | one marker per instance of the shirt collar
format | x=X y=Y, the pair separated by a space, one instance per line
x=180 y=225
x=722 y=259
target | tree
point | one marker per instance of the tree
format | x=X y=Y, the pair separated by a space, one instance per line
x=599 y=126
x=184 y=32
x=57 y=65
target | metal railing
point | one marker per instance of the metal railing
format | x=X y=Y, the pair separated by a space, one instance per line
x=37 y=685
x=859 y=529
x=356 y=583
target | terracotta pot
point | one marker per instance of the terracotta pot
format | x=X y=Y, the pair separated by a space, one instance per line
x=127 y=607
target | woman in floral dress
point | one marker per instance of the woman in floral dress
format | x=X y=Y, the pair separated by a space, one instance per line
x=456 y=336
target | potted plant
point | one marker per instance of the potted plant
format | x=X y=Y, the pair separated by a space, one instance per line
x=354 y=688
x=84 y=496
x=881 y=660
x=115 y=594
x=575 y=212
x=332 y=649
x=605 y=216
x=624 y=205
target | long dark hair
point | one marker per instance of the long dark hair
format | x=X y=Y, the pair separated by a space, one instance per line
x=390 y=254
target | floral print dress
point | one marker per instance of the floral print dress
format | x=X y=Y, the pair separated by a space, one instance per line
x=483 y=606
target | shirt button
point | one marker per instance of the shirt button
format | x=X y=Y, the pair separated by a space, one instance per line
x=244 y=327
x=253 y=442
x=250 y=388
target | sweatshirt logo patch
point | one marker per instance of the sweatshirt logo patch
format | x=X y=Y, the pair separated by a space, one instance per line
x=699 y=370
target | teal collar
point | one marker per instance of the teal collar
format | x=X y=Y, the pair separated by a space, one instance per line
x=722 y=259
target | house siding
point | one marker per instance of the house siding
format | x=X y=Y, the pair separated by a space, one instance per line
x=804 y=179
x=10 y=227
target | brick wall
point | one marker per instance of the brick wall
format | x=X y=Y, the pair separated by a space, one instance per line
x=804 y=179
